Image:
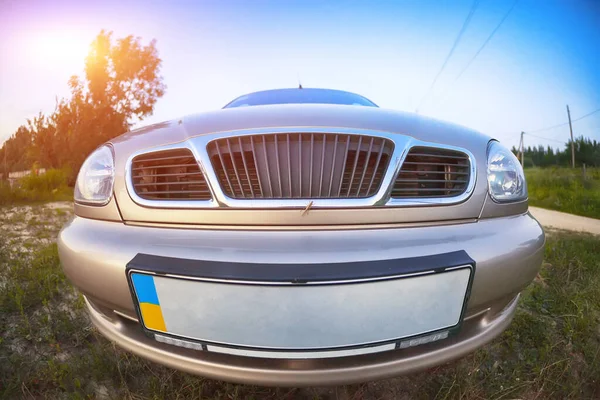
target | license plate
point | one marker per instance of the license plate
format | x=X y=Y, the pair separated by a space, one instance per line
x=300 y=317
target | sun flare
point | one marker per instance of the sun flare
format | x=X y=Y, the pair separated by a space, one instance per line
x=60 y=48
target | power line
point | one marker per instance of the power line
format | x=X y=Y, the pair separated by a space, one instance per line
x=565 y=123
x=551 y=127
x=529 y=132
x=451 y=52
x=586 y=115
x=484 y=44
x=545 y=138
x=487 y=40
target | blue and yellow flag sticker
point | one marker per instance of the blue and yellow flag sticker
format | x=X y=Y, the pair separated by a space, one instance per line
x=148 y=301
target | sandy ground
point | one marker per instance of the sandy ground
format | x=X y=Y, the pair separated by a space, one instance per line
x=560 y=220
x=26 y=228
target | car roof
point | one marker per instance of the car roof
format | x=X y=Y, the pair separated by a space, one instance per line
x=300 y=89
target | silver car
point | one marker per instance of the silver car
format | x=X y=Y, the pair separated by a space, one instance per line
x=301 y=237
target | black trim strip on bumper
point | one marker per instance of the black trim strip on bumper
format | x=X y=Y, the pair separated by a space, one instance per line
x=299 y=273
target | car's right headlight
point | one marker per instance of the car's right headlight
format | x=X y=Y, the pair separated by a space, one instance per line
x=506 y=179
x=96 y=178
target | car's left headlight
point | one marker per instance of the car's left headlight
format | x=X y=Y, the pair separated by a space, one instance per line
x=506 y=179
x=96 y=178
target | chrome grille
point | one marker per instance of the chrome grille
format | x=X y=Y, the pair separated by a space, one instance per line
x=432 y=172
x=300 y=165
x=168 y=175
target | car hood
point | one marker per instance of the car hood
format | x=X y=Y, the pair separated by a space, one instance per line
x=302 y=115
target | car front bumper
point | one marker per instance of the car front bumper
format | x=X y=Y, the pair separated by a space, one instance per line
x=507 y=253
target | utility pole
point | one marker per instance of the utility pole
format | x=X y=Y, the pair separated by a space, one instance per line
x=572 y=143
x=521 y=145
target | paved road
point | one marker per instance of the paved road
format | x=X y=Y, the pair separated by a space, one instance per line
x=562 y=220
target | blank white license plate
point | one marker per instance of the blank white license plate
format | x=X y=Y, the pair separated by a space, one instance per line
x=301 y=317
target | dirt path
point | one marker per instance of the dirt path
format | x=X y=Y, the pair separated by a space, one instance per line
x=560 y=220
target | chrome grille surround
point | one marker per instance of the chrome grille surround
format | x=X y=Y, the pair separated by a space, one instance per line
x=172 y=175
x=431 y=172
x=300 y=165
x=382 y=197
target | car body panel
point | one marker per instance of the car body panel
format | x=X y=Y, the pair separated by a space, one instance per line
x=108 y=212
x=475 y=333
x=300 y=115
x=493 y=209
x=329 y=118
x=508 y=251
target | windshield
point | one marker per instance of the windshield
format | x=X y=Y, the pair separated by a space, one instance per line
x=300 y=96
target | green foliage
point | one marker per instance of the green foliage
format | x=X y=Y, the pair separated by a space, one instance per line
x=565 y=189
x=28 y=287
x=46 y=182
x=50 y=186
x=121 y=86
x=15 y=154
x=587 y=151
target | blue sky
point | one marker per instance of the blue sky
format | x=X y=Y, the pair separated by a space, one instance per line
x=545 y=55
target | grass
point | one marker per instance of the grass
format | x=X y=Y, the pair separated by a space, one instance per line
x=50 y=186
x=48 y=348
x=565 y=189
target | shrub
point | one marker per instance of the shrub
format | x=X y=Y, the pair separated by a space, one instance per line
x=49 y=186
x=47 y=182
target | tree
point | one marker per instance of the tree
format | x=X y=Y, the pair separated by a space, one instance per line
x=15 y=154
x=124 y=76
x=121 y=86
x=587 y=151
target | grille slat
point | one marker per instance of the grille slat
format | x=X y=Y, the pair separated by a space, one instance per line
x=169 y=175
x=235 y=168
x=289 y=157
x=344 y=163
x=322 y=164
x=169 y=183
x=267 y=165
x=245 y=166
x=354 y=165
x=335 y=145
x=185 y=174
x=278 y=168
x=439 y=156
x=356 y=155
x=376 y=165
x=312 y=152
x=432 y=163
x=260 y=187
x=432 y=172
x=436 y=172
x=224 y=168
x=166 y=166
x=362 y=178
x=428 y=190
x=166 y=158
x=405 y=181
x=177 y=192
x=300 y=162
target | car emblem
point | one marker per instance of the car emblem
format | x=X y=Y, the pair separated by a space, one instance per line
x=307 y=209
